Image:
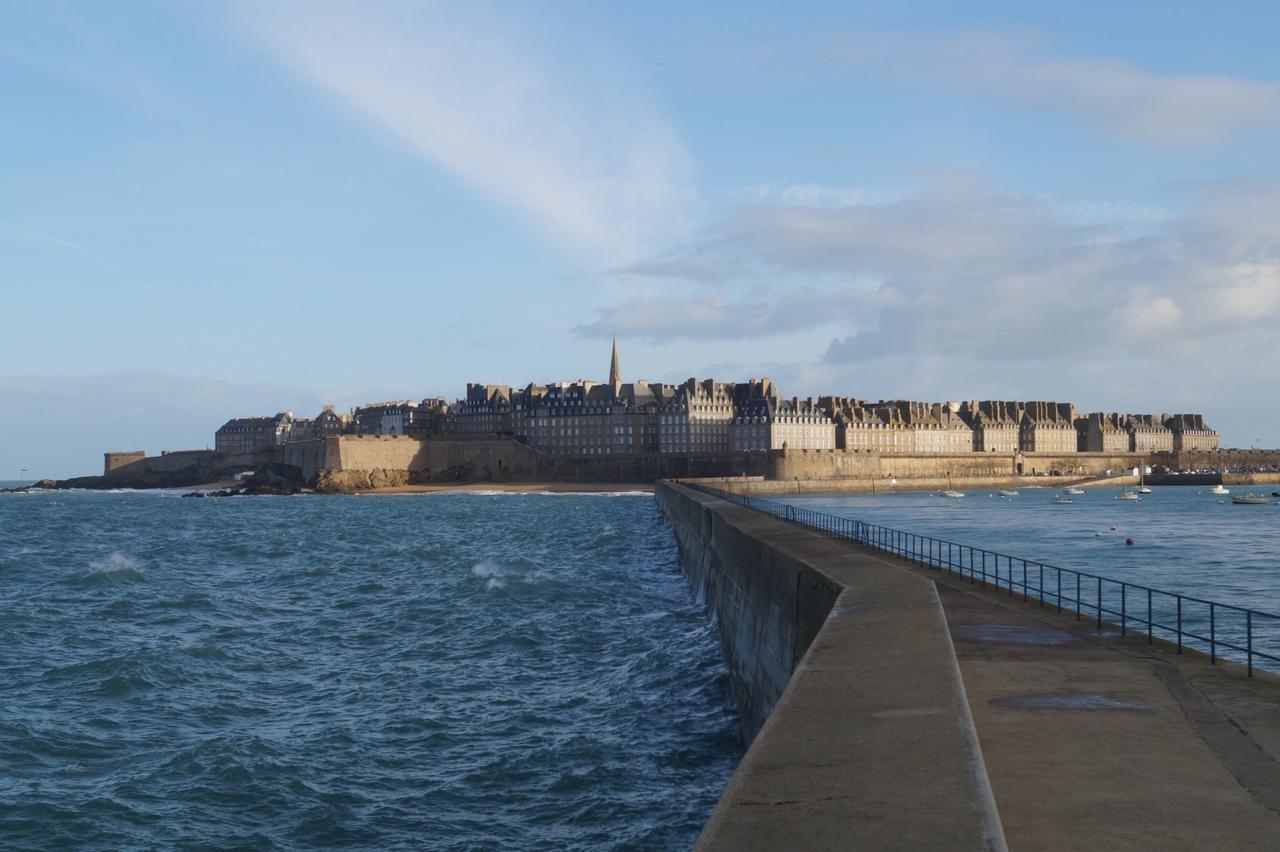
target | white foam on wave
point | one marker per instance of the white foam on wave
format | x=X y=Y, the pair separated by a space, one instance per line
x=491 y=572
x=117 y=561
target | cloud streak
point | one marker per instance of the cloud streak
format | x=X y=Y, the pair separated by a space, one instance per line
x=591 y=161
x=1117 y=95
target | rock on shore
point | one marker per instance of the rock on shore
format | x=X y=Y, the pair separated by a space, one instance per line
x=351 y=481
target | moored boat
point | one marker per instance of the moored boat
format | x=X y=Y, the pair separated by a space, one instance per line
x=1008 y=493
x=950 y=493
x=1060 y=499
x=1127 y=495
x=1248 y=498
x=1075 y=490
x=1219 y=489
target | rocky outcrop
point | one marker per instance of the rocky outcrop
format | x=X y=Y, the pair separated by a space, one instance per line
x=352 y=481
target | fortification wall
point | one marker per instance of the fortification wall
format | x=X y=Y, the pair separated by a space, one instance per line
x=943 y=466
x=113 y=461
x=825 y=464
x=1218 y=459
x=848 y=690
x=769 y=605
x=169 y=469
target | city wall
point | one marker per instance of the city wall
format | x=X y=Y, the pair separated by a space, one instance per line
x=352 y=462
x=505 y=460
x=848 y=691
x=1218 y=459
x=168 y=470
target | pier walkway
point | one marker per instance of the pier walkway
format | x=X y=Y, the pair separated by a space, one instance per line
x=1092 y=740
x=1084 y=738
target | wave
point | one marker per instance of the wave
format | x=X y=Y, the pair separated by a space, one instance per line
x=116 y=569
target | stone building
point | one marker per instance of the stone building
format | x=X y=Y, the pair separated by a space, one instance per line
x=1191 y=433
x=1048 y=427
x=1102 y=433
x=1148 y=433
x=589 y=418
x=763 y=421
x=249 y=434
x=302 y=429
x=935 y=428
x=387 y=418
x=997 y=425
x=485 y=410
x=696 y=419
x=329 y=423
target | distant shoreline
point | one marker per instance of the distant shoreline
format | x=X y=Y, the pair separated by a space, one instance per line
x=517 y=488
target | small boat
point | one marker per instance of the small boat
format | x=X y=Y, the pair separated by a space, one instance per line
x=1127 y=495
x=1061 y=500
x=1142 y=482
x=1074 y=490
x=1008 y=493
x=950 y=493
x=1218 y=489
x=1251 y=499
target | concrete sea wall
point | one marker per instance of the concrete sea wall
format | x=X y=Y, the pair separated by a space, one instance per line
x=848 y=688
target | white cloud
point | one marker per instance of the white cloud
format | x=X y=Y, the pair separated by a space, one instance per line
x=589 y=159
x=972 y=292
x=1125 y=98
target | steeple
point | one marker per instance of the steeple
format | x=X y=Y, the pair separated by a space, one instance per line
x=615 y=375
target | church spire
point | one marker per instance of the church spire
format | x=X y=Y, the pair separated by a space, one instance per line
x=615 y=375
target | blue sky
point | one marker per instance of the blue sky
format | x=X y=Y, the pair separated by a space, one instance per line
x=217 y=209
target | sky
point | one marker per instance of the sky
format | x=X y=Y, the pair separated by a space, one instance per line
x=230 y=209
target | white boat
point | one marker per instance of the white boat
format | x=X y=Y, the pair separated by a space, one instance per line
x=1061 y=500
x=1008 y=493
x=1074 y=490
x=950 y=493
x=1127 y=495
x=1251 y=499
x=1218 y=489
x=1142 y=482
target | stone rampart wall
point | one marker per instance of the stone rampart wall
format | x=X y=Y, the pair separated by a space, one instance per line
x=1217 y=459
x=769 y=604
x=847 y=686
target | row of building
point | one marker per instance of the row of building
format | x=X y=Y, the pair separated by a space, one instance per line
x=997 y=426
x=616 y=417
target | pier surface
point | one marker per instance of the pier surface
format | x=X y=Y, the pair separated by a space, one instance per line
x=1081 y=738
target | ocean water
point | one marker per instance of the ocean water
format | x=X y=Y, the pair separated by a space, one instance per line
x=411 y=672
x=1186 y=541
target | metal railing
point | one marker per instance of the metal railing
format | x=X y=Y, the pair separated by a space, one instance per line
x=1222 y=630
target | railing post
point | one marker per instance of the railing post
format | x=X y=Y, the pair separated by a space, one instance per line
x=1123 y=607
x=1248 y=630
x=1213 y=638
x=1148 y=616
x=1010 y=558
x=1077 y=573
x=1041 y=583
x=1099 y=603
x=1059 y=573
x=1179 y=597
x=1024 y=581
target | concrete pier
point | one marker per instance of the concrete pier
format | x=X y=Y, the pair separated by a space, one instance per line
x=922 y=712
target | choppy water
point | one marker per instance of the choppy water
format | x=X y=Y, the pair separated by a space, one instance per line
x=1186 y=540
x=426 y=672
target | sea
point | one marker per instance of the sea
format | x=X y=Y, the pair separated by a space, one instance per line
x=433 y=671
x=1185 y=540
